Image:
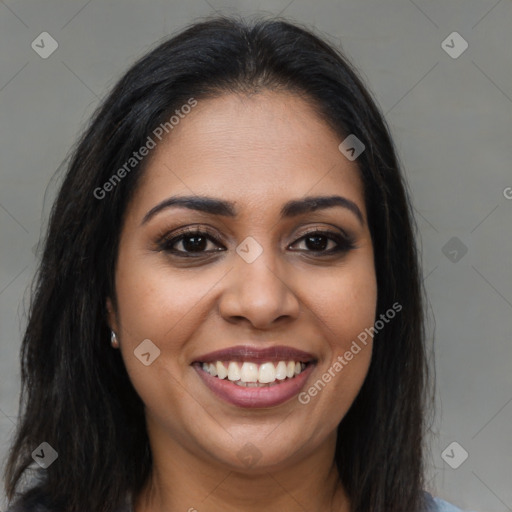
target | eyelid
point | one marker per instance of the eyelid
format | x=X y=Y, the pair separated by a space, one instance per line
x=171 y=238
x=198 y=227
x=332 y=230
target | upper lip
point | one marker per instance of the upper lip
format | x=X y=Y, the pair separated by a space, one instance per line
x=256 y=354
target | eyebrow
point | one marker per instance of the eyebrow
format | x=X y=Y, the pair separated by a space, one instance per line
x=293 y=208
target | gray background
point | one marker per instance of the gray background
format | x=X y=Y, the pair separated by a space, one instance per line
x=452 y=123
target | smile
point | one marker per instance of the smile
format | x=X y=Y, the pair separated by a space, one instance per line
x=248 y=376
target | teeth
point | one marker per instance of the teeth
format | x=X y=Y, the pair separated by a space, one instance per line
x=281 y=370
x=222 y=373
x=267 y=373
x=233 y=371
x=251 y=384
x=251 y=374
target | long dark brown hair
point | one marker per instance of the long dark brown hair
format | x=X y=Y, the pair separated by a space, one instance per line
x=76 y=394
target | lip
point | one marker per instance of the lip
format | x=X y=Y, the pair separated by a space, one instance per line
x=257 y=355
x=264 y=397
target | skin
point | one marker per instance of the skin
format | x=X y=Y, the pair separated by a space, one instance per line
x=258 y=151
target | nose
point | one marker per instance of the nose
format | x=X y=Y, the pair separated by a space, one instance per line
x=258 y=293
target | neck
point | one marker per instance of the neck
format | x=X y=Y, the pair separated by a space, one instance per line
x=181 y=481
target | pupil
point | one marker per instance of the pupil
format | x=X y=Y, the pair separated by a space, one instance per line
x=198 y=244
x=317 y=246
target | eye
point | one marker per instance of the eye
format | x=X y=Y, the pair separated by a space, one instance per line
x=318 y=240
x=193 y=242
x=189 y=243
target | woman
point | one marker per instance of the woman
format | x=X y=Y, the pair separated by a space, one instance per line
x=228 y=313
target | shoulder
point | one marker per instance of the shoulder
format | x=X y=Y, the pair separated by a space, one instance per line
x=30 y=503
x=34 y=505
x=35 y=499
x=444 y=506
x=42 y=508
x=439 y=505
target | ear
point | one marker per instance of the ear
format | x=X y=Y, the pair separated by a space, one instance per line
x=111 y=316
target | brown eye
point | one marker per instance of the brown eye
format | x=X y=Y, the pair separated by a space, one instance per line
x=196 y=243
x=190 y=243
x=193 y=243
x=318 y=241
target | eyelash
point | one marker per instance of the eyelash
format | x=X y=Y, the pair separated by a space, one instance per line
x=345 y=243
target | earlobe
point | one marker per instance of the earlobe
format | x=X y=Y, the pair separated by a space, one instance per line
x=113 y=340
x=111 y=315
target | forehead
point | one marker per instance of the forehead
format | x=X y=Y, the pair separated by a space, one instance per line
x=256 y=150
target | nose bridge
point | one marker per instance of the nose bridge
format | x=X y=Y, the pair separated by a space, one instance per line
x=256 y=290
x=262 y=275
x=257 y=271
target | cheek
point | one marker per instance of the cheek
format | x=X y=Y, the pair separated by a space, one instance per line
x=153 y=305
x=345 y=301
x=157 y=303
x=163 y=307
x=357 y=301
x=345 y=304
x=354 y=309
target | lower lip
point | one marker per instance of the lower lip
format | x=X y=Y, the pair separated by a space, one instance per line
x=267 y=396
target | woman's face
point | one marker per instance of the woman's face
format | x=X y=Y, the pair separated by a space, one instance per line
x=257 y=285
